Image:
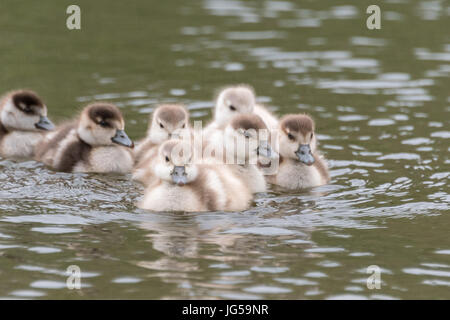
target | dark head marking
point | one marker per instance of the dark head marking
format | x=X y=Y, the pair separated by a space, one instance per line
x=103 y=113
x=27 y=101
x=248 y=121
x=173 y=113
x=299 y=123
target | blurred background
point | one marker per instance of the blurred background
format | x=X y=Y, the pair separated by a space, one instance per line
x=381 y=103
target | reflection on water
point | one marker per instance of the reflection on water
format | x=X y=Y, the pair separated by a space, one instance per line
x=380 y=100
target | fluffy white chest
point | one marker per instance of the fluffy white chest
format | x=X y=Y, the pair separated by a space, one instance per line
x=293 y=175
x=253 y=177
x=19 y=144
x=168 y=197
x=108 y=159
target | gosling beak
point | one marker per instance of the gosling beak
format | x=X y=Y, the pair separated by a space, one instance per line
x=122 y=139
x=179 y=175
x=304 y=154
x=266 y=151
x=44 y=124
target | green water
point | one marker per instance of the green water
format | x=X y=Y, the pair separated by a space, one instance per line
x=381 y=102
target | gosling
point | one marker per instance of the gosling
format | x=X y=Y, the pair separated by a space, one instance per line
x=301 y=165
x=235 y=100
x=95 y=142
x=23 y=122
x=169 y=121
x=183 y=185
x=244 y=141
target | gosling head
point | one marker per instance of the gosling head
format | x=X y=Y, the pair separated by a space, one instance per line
x=24 y=111
x=247 y=136
x=175 y=163
x=233 y=101
x=169 y=121
x=297 y=138
x=102 y=124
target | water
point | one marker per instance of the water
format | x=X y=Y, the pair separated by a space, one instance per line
x=381 y=102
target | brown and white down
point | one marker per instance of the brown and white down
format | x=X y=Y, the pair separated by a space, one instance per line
x=244 y=131
x=95 y=142
x=169 y=121
x=239 y=99
x=23 y=122
x=185 y=185
x=301 y=164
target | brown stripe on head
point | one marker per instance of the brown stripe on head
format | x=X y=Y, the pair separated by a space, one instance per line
x=248 y=121
x=300 y=123
x=104 y=110
x=172 y=113
x=25 y=99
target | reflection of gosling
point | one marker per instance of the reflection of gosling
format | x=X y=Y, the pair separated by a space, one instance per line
x=186 y=186
x=93 y=143
x=238 y=100
x=169 y=121
x=23 y=119
x=301 y=165
x=240 y=145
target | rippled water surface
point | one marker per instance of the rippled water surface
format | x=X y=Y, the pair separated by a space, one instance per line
x=381 y=102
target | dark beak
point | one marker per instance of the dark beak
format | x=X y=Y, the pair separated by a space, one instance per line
x=44 y=124
x=122 y=139
x=304 y=154
x=179 y=175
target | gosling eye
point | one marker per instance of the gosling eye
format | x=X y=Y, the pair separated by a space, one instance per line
x=104 y=124
x=167 y=159
x=161 y=125
x=291 y=137
x=232 y=108
x=312 y=134
x=183 y=126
